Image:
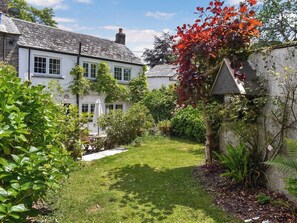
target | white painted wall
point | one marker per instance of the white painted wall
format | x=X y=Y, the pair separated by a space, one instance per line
x=267 y=66
x=157 y=82
x=67 y=63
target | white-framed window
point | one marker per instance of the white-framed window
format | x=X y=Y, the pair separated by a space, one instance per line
x=122 y=73
x=47 y=65
x=88 y=108
x=110 y=107
x=90 y=70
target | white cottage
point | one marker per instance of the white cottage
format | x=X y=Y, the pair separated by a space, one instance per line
x=43 y=53
x=161 y=75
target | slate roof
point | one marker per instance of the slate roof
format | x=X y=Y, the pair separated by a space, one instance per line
x=53 y=39
x=163 y=70
x=8 y=26
x=226 y=83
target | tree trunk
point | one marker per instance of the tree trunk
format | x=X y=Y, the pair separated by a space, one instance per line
x=209 y=137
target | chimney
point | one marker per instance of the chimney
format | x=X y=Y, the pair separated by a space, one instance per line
x=120 y=37
x=3 y=6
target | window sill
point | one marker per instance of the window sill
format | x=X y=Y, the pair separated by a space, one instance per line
x=48 y=76
x=123 y=82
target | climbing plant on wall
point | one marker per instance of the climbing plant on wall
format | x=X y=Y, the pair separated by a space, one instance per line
x=80 y=86
x=219 y=31
x=106 y=84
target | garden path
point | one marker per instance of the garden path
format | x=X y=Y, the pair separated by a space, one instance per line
x=100 y=155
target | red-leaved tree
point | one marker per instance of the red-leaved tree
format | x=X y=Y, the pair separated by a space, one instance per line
x=220 y=31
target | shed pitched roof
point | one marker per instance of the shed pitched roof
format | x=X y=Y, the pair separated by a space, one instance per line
x=226 y=83
x=163 y=70
x=49 y=38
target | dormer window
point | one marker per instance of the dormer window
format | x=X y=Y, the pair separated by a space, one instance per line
x=90 y=70
x=122 y=73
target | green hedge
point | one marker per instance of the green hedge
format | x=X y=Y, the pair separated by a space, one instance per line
x=188 y=123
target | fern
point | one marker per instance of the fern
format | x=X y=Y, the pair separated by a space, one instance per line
x=235 y=162
x=288 y=164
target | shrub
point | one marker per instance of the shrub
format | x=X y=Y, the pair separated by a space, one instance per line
x=188 y=123
x=32 y=156
x=236 y=163
x=122 y=128
x=73 y=130
x=165 y=127
x=161 y=103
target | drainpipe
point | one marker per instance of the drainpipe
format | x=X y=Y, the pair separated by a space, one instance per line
x=77 y=63
x=3 y=45
x=29 y=64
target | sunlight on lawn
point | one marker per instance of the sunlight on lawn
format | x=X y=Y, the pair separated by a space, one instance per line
x=150 y=183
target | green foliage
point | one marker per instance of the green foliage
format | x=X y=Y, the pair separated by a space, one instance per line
x=288 y=165
x=122 y=128
x=29 y=13
x=73 y=130
x=236 y=163
x=165 y=127
x=162 y=52
x=279 y=20
x=263 y=198
x=80 y=85
x=188 y=123
x=106 y=84
x=138 y=88
x=161 y=102
x=32 y=156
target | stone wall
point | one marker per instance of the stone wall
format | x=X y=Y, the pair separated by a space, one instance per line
x=10 y=49
x=271 y=67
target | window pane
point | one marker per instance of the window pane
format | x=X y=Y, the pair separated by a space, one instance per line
x=120 y=107
x=40 y=65
x=118 y=73
x=85 y=108
x=92 y=108
x=127 y=74
x=54 y=66
x=86 y=67
x=93 y=70
x=108 y=108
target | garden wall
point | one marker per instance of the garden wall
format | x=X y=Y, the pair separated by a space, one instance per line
x=271 y=66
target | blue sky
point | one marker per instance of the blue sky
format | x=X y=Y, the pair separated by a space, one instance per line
x=141 y=19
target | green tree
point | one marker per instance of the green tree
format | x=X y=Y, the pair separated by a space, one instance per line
x=162 y=51
x=279 y=20
x=29 y=13
x=139 y=87
x=161 y=102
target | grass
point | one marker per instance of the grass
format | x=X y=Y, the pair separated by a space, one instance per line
x=150 y=183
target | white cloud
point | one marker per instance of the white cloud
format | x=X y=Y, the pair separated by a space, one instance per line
x=110 y=27
x=83 y=1
x=74 y=27
x=160 y=15
x=64 y=20
x=45 y=3
x=234 y=2
x=137 y=39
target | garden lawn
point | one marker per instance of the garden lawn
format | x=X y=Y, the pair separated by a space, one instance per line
x=149 y=183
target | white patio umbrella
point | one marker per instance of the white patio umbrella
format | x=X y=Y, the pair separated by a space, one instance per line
x=98 y=111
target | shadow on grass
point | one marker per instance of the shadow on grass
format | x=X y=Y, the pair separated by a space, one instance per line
x=153 y=194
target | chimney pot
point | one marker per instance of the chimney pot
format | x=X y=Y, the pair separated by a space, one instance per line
x=121 y=37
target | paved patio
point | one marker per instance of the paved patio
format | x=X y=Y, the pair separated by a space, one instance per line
x=100 y=155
